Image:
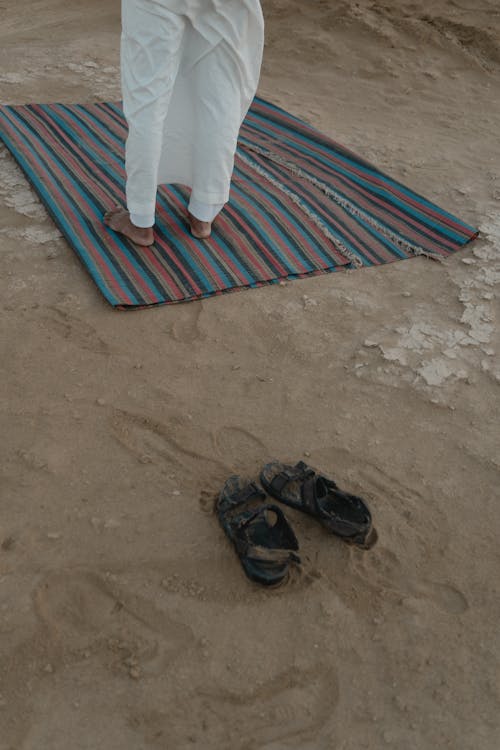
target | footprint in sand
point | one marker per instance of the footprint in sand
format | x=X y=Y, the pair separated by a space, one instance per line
x=445 y=597
x=83 y=614
x=388 y=487
x=74 y=329
x=186 y=324
x=240 y=448
x=207 y=501
x=381 y=570
x=287 y=711
x=153 y=442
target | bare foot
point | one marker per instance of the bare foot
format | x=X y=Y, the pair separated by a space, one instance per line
x=199 y=229
x=118 y=219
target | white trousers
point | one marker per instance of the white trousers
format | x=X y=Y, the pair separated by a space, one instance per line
x=190 y=69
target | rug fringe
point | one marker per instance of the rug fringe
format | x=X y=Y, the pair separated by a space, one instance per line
x=349 y=254
x=344 y=203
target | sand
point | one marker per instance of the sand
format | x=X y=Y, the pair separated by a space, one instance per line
x=126 y=622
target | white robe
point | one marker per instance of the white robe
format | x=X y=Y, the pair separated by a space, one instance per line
x=190 y=69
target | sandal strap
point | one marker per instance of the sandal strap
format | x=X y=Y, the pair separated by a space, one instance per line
x=309 y=496
x=250 y=516
x=258 y=552
x=308 y=471
x=251 y=491
x=247 y=518
x=300 y=472
x=308 y=478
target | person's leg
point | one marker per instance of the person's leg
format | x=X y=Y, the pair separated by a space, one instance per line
x=150 y=56
x=225 y=84
x=217 y=107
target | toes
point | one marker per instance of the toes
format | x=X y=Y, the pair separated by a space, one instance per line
x=115 y=210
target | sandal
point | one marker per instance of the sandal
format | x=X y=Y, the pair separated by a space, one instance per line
x=303 y=488
x=263 y=538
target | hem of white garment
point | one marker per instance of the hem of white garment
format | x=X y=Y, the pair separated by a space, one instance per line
x=143 y=221
x=211 y=198
x=204 y=211
x=199 y=195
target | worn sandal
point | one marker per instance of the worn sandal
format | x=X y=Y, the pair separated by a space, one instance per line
x=303 y=488
x=263 y=538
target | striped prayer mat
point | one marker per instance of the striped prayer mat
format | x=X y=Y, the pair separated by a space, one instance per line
x=301 y=204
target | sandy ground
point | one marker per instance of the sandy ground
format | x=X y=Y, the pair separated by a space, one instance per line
x=126 y=622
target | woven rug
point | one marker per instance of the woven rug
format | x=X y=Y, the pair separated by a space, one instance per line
x=300 y=205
